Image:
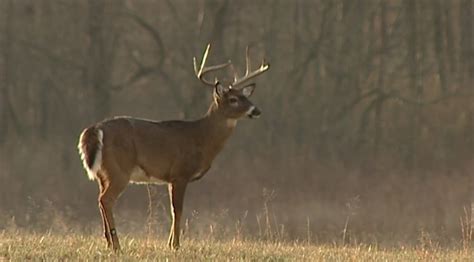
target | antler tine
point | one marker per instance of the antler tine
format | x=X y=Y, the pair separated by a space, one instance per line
x=247 y=61
x=203 y=70
x=232 y=68
x=248 y=74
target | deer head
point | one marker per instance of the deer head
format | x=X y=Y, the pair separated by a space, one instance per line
x=232 y=98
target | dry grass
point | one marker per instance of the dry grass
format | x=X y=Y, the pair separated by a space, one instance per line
x=21 y=246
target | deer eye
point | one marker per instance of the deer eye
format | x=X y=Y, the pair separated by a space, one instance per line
x=233 y=100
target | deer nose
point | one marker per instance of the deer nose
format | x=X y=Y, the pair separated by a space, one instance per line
x=254 y=112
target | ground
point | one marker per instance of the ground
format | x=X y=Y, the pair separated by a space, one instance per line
x=21 y=246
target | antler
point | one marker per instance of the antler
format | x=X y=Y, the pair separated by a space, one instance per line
x=202 y=70
x=249 y=75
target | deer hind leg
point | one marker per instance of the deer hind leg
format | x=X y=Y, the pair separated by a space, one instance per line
x=105 y=226
x=110 y=192
x=176 y=192
x=103 y=216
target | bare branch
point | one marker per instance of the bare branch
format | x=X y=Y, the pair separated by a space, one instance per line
x=58 y=59
x=153 y=32
x=434 y=101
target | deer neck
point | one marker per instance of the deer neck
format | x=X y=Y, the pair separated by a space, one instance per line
x=216 y=129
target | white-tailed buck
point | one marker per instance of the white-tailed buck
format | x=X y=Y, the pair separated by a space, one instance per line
x=126 y=150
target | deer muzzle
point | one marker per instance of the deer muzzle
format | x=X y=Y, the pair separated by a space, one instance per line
x=254 y=112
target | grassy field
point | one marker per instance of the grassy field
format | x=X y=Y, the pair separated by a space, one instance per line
x=21 y=246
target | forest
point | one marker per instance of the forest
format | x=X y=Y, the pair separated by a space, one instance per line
x=366 y=133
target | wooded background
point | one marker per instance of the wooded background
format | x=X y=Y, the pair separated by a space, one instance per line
x=367 y=132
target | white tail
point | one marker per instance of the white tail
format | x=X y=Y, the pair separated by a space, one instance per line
x=88 y=143
x=126 y=150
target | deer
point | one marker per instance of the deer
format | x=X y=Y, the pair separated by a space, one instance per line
x=122 y=150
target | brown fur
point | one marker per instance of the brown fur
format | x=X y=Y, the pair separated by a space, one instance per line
x=174 y=152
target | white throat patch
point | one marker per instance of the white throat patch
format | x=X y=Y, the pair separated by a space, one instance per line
x=231 y=122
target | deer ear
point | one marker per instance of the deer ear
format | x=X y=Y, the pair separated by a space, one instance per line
x=220 y=89
x=248 y=90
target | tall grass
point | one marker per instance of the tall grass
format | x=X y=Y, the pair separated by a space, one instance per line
x=213 y=238
x=22 y=245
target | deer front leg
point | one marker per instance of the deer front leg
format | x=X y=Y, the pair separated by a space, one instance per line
x=176 y=192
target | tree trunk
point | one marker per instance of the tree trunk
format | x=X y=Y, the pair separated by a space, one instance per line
x=381 y=80
x=467 y=49
x=98 y=94
x=6 y=110
x=439 y=44
x=414 y=81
